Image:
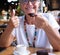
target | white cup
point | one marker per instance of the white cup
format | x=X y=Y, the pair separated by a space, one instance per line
x=21 y=50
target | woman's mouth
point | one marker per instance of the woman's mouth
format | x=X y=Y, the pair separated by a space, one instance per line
x=31 y=14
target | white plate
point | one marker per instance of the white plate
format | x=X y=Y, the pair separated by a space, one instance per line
x=19 y=53
x=51 y=54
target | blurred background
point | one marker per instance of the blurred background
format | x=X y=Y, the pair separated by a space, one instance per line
x=46 y=6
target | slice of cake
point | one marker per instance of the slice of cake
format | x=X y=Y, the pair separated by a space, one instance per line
x=42 y=52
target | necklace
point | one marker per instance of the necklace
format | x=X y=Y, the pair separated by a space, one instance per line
x=31 y=37
x=31 y=32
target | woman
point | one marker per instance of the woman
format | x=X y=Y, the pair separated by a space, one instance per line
x=41 y=29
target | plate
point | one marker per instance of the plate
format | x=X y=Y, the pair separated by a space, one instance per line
x=19 y=53
x=51 y=54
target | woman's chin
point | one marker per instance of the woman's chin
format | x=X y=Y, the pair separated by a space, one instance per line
x=31 y=12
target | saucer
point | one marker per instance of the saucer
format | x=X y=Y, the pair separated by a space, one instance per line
x=21 y=53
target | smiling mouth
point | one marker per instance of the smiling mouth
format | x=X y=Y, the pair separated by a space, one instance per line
x=31 y=14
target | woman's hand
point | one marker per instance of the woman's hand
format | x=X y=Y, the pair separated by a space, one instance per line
x=40 y=21
x=14 y=21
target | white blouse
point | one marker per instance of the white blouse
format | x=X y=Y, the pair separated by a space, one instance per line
x=41 y=37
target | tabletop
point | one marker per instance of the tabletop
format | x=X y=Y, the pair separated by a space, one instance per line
x=9 y=51
x=2 y=21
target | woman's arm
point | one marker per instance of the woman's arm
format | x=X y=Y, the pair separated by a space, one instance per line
x=6 y=38
x=53 y=34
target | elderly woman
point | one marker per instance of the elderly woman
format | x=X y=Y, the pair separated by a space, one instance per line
x=41 y=29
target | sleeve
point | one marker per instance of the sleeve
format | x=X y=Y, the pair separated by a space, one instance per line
x=52 y=21
x=20 y=22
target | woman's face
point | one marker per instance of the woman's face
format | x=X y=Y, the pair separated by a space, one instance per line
x=30 y=7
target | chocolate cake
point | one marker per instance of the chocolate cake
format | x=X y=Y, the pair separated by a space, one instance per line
x=42 y=52
x=31 y=14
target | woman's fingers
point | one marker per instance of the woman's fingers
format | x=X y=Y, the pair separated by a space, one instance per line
x=40 y=21
x=12 y=13
x=14 y=19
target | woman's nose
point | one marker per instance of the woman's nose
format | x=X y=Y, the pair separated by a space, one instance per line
x=29 y=2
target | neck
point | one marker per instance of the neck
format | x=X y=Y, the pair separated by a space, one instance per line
x=26 y=19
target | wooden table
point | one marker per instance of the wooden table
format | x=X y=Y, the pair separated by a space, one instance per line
x=2 y=21
x=9 y=51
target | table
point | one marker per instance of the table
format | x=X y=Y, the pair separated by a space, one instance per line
x=9 y=51
x=2 y=21
x=3 y=24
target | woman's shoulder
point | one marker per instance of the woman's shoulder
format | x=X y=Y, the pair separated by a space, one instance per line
x=44 y=13
x=47 y=15
x=21 y=17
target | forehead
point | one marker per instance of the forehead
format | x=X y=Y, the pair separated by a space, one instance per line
x=27 y=0
x=32 y=0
